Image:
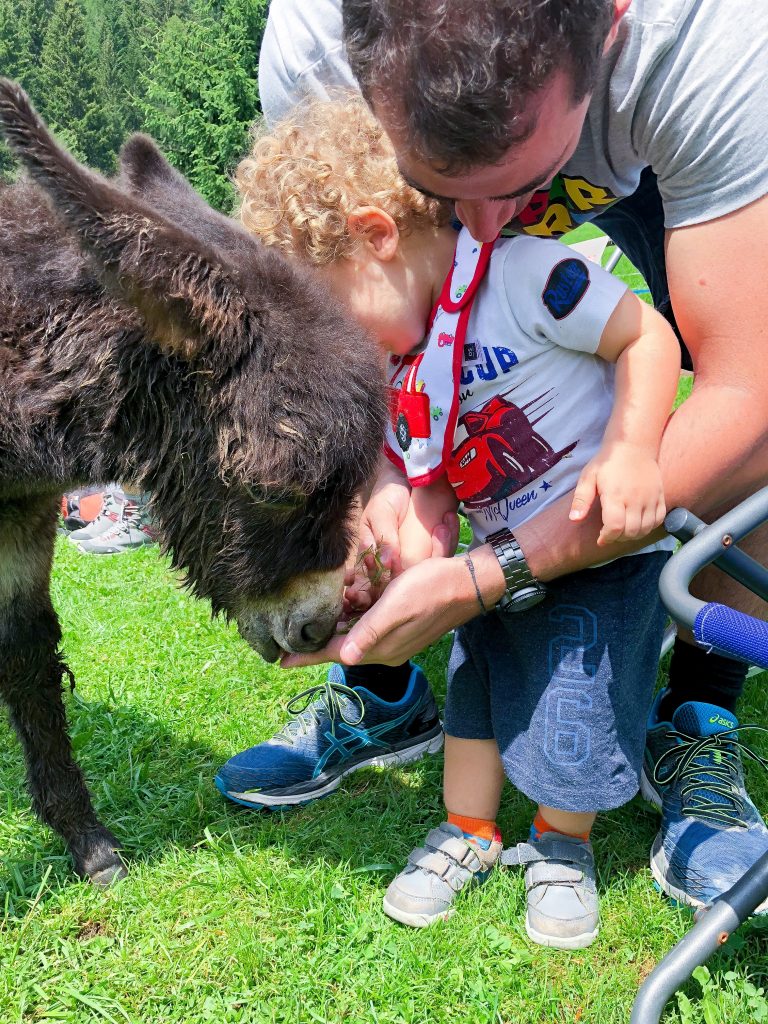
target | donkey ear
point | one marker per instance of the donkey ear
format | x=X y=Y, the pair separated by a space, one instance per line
x=146 y=174
x=181 y=288
x=143 y=167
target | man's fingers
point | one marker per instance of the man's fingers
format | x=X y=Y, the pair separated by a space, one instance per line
x=452 y=521
x=331 y=652
x=445 y=537
x=361 y=638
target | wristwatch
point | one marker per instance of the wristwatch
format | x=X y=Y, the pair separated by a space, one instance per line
x=523 y=589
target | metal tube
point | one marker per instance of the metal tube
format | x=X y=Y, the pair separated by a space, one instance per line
x=709 y=933
x=712 y=544
x=613 y=259
x=735 y=563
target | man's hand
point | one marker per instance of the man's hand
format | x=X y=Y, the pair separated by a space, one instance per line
x=416 y=609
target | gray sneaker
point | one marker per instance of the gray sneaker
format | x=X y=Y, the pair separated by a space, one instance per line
x=111 y=513
x=424 y=891
x=560 y=889
x=132 y=530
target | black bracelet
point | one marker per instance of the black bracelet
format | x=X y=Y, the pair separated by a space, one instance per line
x=471 y=566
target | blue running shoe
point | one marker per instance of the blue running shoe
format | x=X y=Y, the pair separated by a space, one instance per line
x=711 y=832
x=335 y=730
x=659 y=738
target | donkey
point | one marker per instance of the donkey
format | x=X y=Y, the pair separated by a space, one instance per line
x=145 y=337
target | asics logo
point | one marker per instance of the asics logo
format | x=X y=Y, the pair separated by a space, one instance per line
x=718 y=720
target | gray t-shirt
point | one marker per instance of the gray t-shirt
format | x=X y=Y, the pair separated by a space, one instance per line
x=684 y=90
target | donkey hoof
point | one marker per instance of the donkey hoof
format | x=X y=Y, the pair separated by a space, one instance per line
x=110 y=874
x=97 y=858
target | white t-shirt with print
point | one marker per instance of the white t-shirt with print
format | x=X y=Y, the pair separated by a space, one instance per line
x=534 y=399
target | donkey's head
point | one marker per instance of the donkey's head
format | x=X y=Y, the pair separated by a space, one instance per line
x=273 y=424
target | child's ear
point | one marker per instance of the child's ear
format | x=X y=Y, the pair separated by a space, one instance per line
x=376 y=230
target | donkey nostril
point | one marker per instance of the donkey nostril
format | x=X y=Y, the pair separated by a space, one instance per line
x=314 y=632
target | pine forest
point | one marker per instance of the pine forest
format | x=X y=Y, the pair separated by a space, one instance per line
x=185 y=71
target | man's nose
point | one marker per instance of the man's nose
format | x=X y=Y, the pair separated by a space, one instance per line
x=485 y=219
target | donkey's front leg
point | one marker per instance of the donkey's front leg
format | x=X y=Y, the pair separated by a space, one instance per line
x=31 y=676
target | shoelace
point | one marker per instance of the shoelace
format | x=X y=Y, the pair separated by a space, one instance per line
x=701 y=781
x=328 y=696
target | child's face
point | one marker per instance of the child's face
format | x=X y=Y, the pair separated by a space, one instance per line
x=388 y=298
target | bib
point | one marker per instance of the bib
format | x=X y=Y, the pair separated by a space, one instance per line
x=424 y=389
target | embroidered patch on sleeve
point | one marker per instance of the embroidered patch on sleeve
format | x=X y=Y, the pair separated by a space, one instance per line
x=565 y=287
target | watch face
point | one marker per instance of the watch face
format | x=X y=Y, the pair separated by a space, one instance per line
x=522 y=600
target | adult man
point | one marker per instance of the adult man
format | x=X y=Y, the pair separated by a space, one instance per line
x=652 y=119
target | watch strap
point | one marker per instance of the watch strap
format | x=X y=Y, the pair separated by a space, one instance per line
x=522 y=587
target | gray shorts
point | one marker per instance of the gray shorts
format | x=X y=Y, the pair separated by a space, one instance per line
x=565 y=687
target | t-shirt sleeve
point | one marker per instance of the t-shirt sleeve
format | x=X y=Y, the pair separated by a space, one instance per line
x=702 y=120
x=557 y=296
x=301 y=55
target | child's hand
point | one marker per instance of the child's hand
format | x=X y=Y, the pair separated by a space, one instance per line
x=627 y=480
x=398 y=529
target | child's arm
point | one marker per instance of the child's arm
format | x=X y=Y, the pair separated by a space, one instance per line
x=624 y=473
x=418 y=514
x=426 y=510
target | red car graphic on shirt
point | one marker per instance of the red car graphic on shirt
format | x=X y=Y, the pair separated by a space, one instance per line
x=409 y=408
x=502 y=453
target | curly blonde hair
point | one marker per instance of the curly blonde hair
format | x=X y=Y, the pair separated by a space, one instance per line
x=327 y=158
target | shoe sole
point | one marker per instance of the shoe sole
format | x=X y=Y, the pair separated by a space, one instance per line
x=659 y=870
x=282 y=801
x=122 y=550
x=648 y=791
x=415 y=920
x=561 y=941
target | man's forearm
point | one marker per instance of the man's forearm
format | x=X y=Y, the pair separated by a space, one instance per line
x=715 y=448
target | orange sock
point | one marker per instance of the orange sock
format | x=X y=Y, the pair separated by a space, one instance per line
x=480 y=827
x=540 y=824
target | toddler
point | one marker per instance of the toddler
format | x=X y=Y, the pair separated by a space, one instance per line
x=519 y=373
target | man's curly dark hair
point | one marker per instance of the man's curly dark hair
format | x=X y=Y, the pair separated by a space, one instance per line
x=461 y=71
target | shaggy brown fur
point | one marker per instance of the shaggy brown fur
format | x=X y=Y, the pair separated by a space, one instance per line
x=143 y=336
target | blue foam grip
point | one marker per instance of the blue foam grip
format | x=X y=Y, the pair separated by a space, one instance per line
x=732 y=633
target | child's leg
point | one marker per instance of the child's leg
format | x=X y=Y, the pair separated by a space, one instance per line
x=569 y=823
x=472 y=778
x=569 y=695
x=467 y=846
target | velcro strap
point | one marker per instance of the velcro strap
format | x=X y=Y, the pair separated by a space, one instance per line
x=459 y=850
x=551 y=850
x=544 y=873
x=451 y=873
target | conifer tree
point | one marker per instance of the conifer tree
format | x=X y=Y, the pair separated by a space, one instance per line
x=12 y=46
x=33 y=18
x=12 y=41
x=202 y=91
x=69 y=79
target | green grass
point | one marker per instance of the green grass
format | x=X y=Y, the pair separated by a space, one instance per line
x=229 y=915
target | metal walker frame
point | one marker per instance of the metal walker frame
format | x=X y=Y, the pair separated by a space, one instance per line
x=715 y=627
